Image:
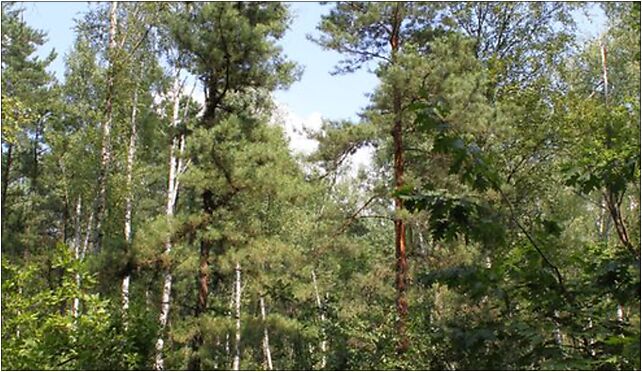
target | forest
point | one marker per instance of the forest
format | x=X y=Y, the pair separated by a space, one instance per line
x=497 y=226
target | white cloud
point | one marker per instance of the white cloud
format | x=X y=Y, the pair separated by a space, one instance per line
x=362 y=158
x=295 y=126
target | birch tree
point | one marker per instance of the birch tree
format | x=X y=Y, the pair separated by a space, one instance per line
x=266 y=337
x=237 y=318
x=100 y=204
x=176 y=167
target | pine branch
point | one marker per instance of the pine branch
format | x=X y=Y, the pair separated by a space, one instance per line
x=353 y=217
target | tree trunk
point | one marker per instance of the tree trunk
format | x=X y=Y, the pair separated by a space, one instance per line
x=65 y=215
x=423 y=252
x=77 y=236
x=400 y=226
x=34 y=174
x=604 y=222
x=613 y=203
x=83 y=250
x=605 y=75
x=131 y=154
x=105 y=158
x=591 y=341
x=5 y=180
x=86 y=242
x=266 y=337
x=615 y=210
x=557 y=333
x=19 y=313
x=164 y=315
x=237 y=316
x=172 y=187
x=203 y=277
x=201 y=306
x=323 y=344
x=227 y=335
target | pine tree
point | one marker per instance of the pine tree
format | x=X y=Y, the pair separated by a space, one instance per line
x=231 y=57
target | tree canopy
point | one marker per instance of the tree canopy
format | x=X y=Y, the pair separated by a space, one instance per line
x=497 y=225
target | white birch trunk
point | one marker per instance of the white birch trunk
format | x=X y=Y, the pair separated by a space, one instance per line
x=75 y=306
x=227 y=345
x=131 y=155
x=422 y=243
x=169 y=212
x=227 y=335
x=603 y=222
x=217 y=344
x=591 y=341
x=125 y=294
x=87 y=241
x=19 y=312
x=266 y=337
x=164 y=315
x=105 y=158
x=323 y=344
x=605 y=75
x=237 y=316
x=181 y=167
x=619 y=314
x=556 y=332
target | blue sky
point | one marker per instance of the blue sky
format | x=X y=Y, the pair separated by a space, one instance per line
x=318 y=94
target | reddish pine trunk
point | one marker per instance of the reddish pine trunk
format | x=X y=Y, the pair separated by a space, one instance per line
x=203 y=283
x=400 y=226
x=203 y=276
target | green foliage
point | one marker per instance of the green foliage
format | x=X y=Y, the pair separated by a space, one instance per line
x=605 y=156
x=521 y=187
x=39 y=329
x=231 y=47
x=454 y=216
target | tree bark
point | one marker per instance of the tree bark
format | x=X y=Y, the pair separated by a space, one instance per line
x=86 y=242
x=105 y=158
x=131 y=154
x=172 y=191
x=604 y=222
x=605 y=75
x=5 y=181
x=323 y=343
x=615 y=210
x=400 y=226
x=237 y=316
x=227 y=334
x=159 y=364
x=557 y=333
x=34 y=175
x=75 y=306
x=266 y=336
x=591 y=341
